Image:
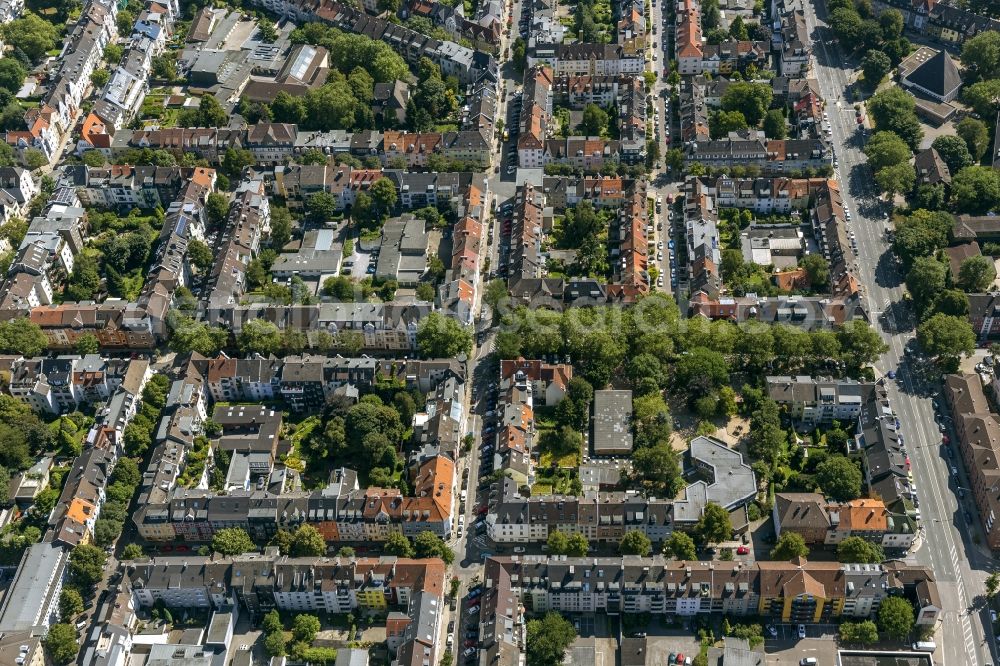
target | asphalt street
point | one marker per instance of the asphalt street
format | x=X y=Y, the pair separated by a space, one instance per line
x=948 y=547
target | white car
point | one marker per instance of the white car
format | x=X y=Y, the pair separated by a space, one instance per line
x=802 y=631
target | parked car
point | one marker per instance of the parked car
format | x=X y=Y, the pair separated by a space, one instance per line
x=802 y=631
x=475 y=609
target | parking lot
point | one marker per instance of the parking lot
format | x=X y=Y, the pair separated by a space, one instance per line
x=661 y=647
x=785 y=652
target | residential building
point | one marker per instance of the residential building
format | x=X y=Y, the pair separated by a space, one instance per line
x=816 y=400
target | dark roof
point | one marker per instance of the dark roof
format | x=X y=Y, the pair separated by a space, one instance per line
x=939 y=75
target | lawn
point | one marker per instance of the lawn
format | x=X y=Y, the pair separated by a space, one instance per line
x=567 y=461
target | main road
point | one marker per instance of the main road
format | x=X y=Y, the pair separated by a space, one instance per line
x=948 y=539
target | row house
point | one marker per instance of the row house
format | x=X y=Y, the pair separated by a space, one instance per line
x=576 y=92
x=829 y=224
x=516 y=432
x=589 y=153
x=778 y=194
x=61 y=384
x=535 y=120
x=734 y=55
x=752 y=148
x=588 y=59
x=42 y=132
x=807 y=312
x=113 y=324
x=704 y=248
x=247 y=224
x=977 y=429
x=799 y=591
x=468 y=65
x=795 y=44
x=72 y=520
x=718 y=474
x=630 y=277
x=340 y=511
x=688 y=49
x=384 y=326
x=263 y=582
x=126 y=89
x=82 y=51
x=815 y=400
x=563 y=192
x=819 y=521
x=946 y=21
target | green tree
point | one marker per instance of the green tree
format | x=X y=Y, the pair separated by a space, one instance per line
x=547 y=640
x=70 y=604
x=635 y=542
x=397 y=544
x=217 y=208
x=321 y=206
x=954 y=151
x=817 y=269
x=439 y=336
x=855 y=550
x=886 y=149
x=260 y=336
x=12 y=74
x=721 y=123
x=896 y=179
x=774 y=124
x=976 y=274
x=86 y=565
x=700 y=371
x=132 y=551
x=875 y=66
x=33 y=35
x=865 y=632
x=981 y=54
x=234 y=160
x=60 y=642
x=657 y=466
x=894 y=109
x=307 y=542
x=983 y=97
x=99 y=78
x=305 y=627
x=976 y=136
x=428 y=544
x=891 y=21
x=232 y=541
x=839 y=478
x=946 y=338
x=33 y=158
x=976 y=189
x=714 y=525
x=681 y=546
x=749 y=98
x=992 y=585
x=274 y=644
x=595 y=120
x=87 y=344
x=789 y=546
x=187 y=335
x=895 y=617
x=860 y=344
x=200 y=254
x=926 y=279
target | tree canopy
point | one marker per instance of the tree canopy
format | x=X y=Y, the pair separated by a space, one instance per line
x=232 y=541
x=547 y=640
x=856 y=550
x=839 y=478
x=789 y=546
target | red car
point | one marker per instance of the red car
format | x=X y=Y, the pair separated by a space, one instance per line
x=470 y=643
x=680 y=658
x=482 y=510
x=743 y=550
